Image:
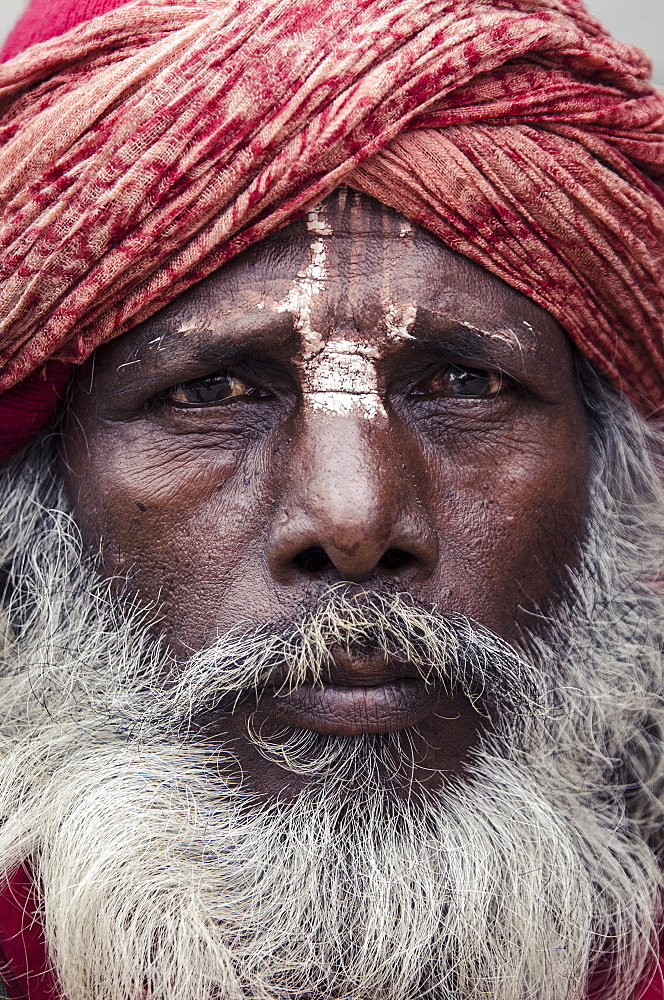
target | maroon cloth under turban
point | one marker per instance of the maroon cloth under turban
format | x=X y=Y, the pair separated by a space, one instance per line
x=142 y=149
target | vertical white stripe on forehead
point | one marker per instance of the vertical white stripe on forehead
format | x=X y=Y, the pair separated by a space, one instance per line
x=338 y=375
x=309 y=282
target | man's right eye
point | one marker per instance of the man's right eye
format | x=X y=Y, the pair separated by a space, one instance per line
x=220 y=387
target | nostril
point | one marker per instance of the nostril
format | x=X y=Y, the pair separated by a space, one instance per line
x=395 y=559
x=313 y=560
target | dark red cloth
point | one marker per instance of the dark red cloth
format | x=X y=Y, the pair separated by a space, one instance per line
x=27 y=407
x=656 y=989
x=28 y=974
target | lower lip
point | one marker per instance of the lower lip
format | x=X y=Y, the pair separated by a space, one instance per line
x=350 y=711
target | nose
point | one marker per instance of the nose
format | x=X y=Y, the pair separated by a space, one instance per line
x=353 y=508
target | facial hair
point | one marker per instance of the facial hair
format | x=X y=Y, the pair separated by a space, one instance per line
x=162 y=876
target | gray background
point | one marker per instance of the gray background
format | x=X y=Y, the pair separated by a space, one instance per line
x=638 y=21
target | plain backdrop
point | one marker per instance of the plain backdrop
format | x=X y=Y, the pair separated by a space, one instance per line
x=638 y=21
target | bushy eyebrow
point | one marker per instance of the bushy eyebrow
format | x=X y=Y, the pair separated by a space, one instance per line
x=180 y=348
x=498 y=345
x=168 y=345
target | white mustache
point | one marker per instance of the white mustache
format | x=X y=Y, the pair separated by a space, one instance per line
x=452 y=652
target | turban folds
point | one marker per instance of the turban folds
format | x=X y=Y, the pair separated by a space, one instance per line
x=143 y=148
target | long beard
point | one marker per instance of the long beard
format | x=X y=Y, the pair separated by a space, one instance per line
x=162 y=876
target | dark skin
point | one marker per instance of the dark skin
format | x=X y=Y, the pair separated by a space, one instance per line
x=346 y=401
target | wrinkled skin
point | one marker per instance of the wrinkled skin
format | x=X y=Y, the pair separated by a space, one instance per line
x=360 y=430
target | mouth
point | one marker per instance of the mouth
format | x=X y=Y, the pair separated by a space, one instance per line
x=359 y=692
x=350 y=710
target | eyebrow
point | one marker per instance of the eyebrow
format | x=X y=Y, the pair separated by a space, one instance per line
x=499 y=344
x=256 y=333
x=201 y=345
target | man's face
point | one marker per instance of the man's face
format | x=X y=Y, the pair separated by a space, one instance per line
x=353 y=475
x=346 y=401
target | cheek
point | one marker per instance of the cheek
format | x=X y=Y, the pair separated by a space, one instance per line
x=170 y=514
x=508 y=529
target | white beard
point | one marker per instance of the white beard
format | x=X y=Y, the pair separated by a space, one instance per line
x=162 y=877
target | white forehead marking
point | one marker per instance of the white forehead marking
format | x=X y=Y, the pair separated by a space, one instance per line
x=317 y=221
x=309 y=282
x=338 y=376
x=342 y=378
x=400 y=319
x=405 y=229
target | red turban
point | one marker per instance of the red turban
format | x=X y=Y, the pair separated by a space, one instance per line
x=142 y=149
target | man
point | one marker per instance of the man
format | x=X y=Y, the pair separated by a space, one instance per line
x=332 y=513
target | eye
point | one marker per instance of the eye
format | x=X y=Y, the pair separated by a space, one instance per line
x=462 y=382
x=212 y=390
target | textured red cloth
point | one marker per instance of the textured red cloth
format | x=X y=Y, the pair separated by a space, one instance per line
x=28 y=973
x=142 y=149
x=48 y=18
x=655 y=990
x=27 y=407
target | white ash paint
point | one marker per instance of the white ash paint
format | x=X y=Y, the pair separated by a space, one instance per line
x=342 y=378
x=309 y=282
x=338 y=375
x=399 y=320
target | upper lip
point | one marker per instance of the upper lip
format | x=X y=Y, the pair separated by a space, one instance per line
x=360 y=669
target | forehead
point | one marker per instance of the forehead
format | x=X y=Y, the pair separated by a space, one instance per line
x=351 y=269
x=358 y=252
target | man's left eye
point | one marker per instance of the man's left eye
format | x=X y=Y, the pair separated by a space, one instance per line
x=212 y=390
x=462 y=382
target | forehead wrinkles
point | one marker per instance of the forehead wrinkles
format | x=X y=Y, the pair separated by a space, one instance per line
x=310 y=282
x=376 y=246
x=399 y=315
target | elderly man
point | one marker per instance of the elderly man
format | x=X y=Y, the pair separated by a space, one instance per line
x=332 y=520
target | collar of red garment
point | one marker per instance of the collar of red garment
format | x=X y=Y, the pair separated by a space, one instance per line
x=28 y=975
